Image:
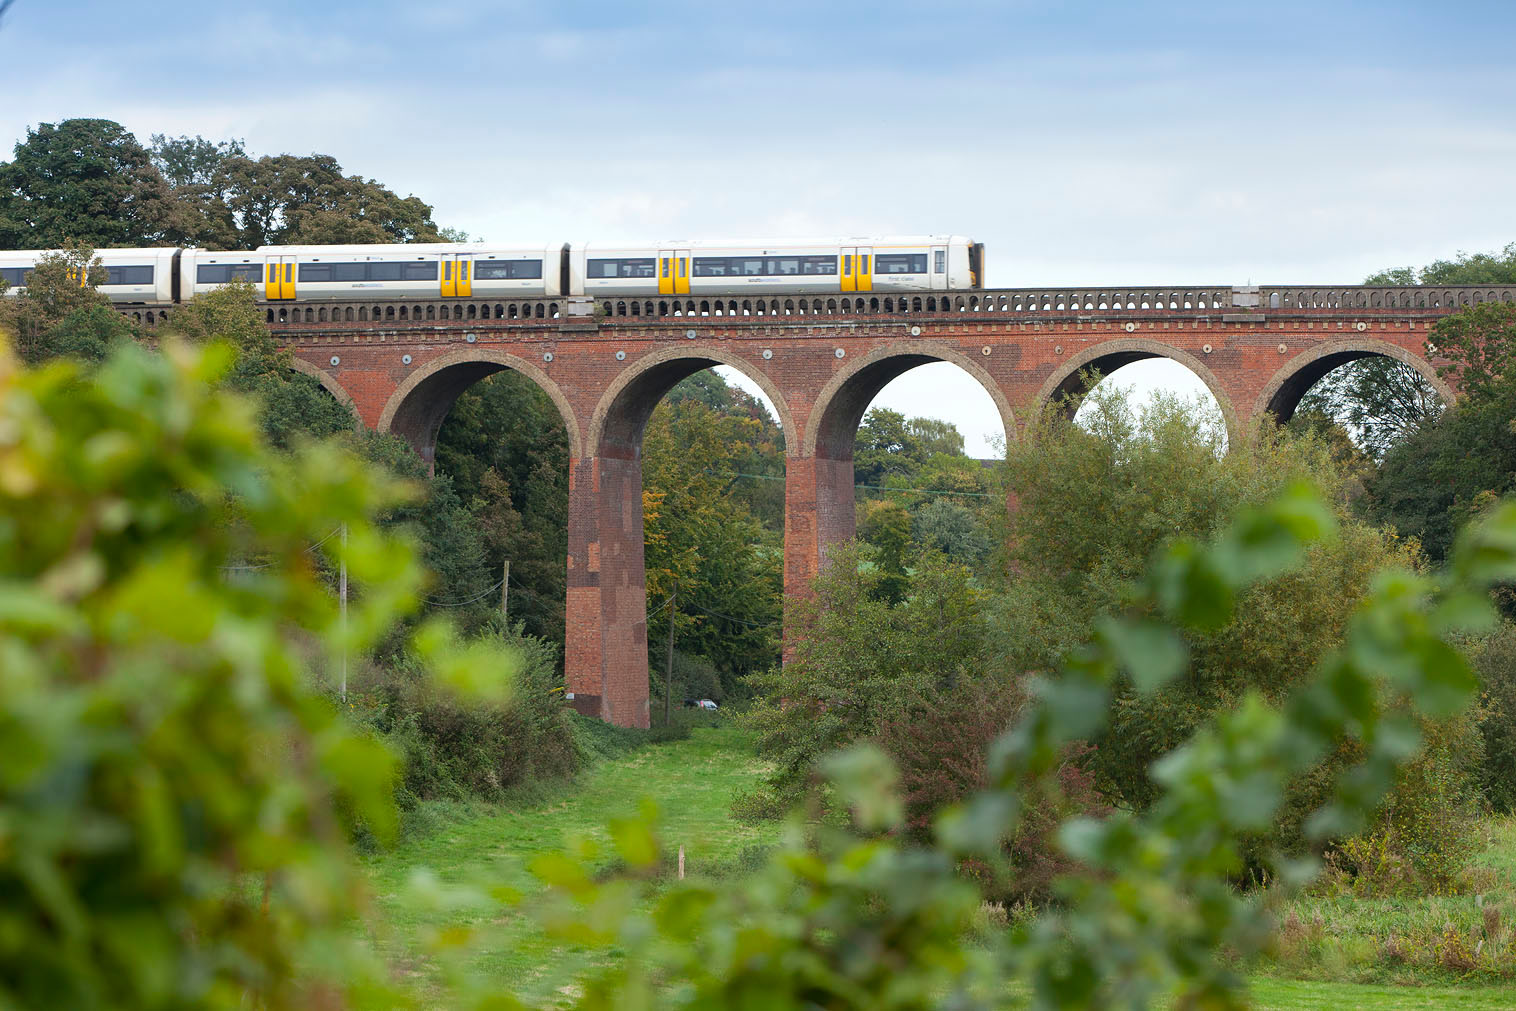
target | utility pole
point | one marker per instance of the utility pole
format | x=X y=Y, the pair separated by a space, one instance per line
x=342 y=596
x=505 y=594
x=668 y=671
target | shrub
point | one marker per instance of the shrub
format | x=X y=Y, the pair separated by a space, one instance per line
x=454 y=748
x=1495 y=661
x=859 y=662
x=941 y=747
x=164 y=768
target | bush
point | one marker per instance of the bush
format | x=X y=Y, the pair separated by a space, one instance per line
x=860 y=662
x=941 y=748
x=1495 y=662
x=164 y=769
x=1097 y=500
x=457 y=749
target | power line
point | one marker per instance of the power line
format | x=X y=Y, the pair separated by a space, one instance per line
x=870 y=487
x=465 y=603
x=728 y=617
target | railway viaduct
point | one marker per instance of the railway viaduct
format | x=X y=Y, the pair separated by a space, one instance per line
x=820 y=360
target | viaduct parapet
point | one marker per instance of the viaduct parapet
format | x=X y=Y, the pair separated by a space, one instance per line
x=820 y=360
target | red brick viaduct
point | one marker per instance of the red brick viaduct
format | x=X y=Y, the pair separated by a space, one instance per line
x=820 y=360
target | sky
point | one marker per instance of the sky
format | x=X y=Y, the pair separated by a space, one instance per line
x=1193 y=143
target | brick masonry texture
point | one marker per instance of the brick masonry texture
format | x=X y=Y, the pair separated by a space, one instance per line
x=607 y=373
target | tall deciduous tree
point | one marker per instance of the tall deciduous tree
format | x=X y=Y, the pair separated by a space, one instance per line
x=60 y=312
x=729 y=570
x=1381 y=401
x=241 y=203
x=84 y=181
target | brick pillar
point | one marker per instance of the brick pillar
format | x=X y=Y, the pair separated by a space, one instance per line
x=818 y=512
x=606 y=660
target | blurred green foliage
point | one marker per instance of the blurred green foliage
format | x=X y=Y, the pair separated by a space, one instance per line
x=173 y=787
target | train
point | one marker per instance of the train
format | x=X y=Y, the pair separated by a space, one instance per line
x=167 y=276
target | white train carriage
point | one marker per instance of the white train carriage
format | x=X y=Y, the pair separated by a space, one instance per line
x=736 y=267
x=419 y=270
x=132 y=276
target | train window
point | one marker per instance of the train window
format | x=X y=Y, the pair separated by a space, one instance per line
x=220 y=273
x=784 y=265
x=818 y=265
x=711 y=266
x=315 y=272
x=939 y=261
x=14 y=276
x=900 y=263
x=641 y=266
x=751 y=267
x=349 y=272
x=129 y=275
x=491 y=270
x=386 y=271
x=420 y=270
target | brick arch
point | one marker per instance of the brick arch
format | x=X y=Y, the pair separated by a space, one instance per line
x=416 y=409
x=1282 y=394
x=328 y=383
x=624 y=409
x=1116 y=353
x=843 y=400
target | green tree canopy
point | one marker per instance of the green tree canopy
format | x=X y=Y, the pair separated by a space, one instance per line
x=229 y=200
x=60 y=312
x=84 y=181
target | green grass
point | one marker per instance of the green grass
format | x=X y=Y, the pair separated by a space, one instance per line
x=1285 y=995
x=1465 y=937
x=692 y=782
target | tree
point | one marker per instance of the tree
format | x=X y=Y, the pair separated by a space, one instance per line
x=285 y=199
x=169 y=765
x=861 y=661
x=294 y=405
x=886 y=526
x=1382 y=401
x=84 y=181
x=728 y=568
x=1432 y=483
x=1097 y=500
x=1465 y=268
x=56 y=315
x=1480 y=345
x=505 y=448
x=944 y=525
x=1378 y=401
x=885 y=446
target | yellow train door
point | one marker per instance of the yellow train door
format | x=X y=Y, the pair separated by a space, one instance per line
x=848 y=280
x=673 y=272
x=863 y=268
x=463 y=275
x=449 y=283
x=681 y=272
x=279 y=278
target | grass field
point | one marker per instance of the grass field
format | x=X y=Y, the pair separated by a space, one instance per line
x=693 y=783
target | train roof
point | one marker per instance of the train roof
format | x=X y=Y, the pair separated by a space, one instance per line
x=781 y=242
